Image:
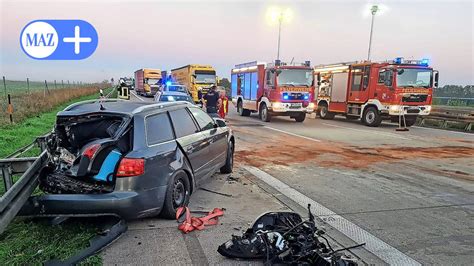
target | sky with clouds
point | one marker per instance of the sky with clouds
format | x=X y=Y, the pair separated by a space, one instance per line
x=170 y=34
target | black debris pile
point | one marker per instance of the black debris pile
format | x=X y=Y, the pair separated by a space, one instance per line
x=285 y=238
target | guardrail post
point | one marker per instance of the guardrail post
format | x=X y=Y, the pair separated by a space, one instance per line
x=7 y=178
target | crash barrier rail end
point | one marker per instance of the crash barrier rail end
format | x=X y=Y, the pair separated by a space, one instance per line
x=15 y=196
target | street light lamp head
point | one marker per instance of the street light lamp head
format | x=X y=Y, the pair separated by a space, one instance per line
x=277 y=15
x=374 y=9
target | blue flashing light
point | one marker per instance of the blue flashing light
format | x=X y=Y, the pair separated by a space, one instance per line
x=285 y=96
x=425 y=61
x=168 y=83
x=306 y=96
x=398 y=60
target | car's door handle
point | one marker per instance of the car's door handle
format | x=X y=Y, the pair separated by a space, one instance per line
x=189 y=148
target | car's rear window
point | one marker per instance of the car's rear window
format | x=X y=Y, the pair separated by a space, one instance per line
x=175 y=98
x=183 y=123
x=158 y=129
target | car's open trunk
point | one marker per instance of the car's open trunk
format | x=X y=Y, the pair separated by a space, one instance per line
x=85 y=151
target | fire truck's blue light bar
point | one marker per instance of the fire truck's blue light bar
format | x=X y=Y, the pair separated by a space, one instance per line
x=285 y=96
x=425 y=61
x=168 y=83
x=306 y=96
x=398 y=60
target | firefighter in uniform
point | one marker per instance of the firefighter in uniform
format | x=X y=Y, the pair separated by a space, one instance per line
x=224 y=105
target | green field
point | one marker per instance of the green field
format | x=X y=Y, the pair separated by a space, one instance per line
x=18 y=86
x=27 y=242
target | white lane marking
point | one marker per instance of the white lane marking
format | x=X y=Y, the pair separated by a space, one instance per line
x=373 y=244
x=442 y=130
x=293 y=134
x=369 y=131
x=136 y=96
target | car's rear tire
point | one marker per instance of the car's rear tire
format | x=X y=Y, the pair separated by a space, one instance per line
x=229 y=161
x=177 y=195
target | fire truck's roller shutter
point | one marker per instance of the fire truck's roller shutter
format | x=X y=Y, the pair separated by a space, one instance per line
x=247 y=87
x=254 y=86
x=234 y=85
x=339 y=87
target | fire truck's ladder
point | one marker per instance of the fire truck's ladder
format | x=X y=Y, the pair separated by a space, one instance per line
x=401 y=117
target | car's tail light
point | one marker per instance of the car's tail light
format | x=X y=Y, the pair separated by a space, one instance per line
x=131 y=167
x=90 y=151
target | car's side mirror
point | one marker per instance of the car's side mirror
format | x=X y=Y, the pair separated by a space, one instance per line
x=436 y=77
x=220 y=123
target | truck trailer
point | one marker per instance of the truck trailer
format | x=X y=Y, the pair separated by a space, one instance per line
x=147 y=81
x=196 y=78
x=374 y=91
x=275 y=89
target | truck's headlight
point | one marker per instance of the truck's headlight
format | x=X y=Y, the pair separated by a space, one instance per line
x=428 y=108
x=395 y=108
x=311 y=106
x=277 y=105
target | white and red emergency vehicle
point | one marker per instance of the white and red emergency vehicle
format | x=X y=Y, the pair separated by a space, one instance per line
x=277 y=89
x=376 y=91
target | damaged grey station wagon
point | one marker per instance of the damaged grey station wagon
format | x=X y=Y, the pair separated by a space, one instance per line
x=131 y=159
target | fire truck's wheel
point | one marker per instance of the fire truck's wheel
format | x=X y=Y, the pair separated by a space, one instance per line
x=241 y=110
x=300 y=117
x=324 y=112
x=264 y=114
x=371 y=117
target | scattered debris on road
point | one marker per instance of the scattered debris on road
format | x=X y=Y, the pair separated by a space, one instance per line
x=190 y=223
x=216 y=192
x=284 y=238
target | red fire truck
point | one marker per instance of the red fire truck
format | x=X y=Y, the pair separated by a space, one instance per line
x=277 y=89
x=399 y=90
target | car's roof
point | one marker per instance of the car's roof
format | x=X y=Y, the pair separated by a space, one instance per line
x=174 y=93
x=114 y=106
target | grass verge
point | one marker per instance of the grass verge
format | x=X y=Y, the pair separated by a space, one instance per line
x=27 y=242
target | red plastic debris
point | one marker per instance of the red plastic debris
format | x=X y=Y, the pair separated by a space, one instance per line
x=191 y=223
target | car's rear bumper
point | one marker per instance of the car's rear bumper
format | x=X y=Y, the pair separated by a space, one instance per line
x=126 y=204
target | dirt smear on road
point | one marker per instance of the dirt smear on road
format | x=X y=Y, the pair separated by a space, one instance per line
x=280 y=149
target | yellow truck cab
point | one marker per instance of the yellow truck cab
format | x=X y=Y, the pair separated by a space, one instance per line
x=147 y=81
x=195 y=78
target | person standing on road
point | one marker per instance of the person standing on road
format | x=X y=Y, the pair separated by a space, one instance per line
x=211 y=99
x=224 y=105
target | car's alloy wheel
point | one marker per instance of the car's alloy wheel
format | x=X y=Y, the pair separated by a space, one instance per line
x=179 y=193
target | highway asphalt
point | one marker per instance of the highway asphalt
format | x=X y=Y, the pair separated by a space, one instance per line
x=408 y=195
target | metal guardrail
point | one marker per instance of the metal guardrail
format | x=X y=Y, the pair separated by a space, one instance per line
x=447 y=116
x=18 y=193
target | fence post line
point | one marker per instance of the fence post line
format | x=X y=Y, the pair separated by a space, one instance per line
x=5 y=86
x=28 y=84
x=10 y=109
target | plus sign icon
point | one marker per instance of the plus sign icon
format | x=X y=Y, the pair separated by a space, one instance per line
x=59 y=39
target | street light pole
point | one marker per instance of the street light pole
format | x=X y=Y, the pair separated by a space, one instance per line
x=373 y=10
x=280 y=18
